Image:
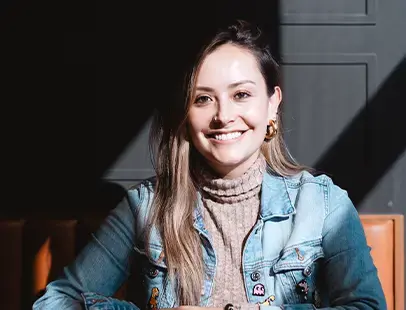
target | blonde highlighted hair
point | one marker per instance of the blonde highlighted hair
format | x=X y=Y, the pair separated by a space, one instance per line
x=175 y=195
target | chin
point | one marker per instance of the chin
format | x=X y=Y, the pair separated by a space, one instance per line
x=228 y=160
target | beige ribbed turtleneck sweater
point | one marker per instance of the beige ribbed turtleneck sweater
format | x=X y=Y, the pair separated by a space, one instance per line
x=231 y=208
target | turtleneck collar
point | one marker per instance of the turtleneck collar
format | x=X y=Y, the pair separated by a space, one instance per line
x=236 y=189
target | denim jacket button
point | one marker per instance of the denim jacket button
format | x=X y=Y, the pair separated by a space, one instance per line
x=307 y=271
x=255 y=276
x=153 y=272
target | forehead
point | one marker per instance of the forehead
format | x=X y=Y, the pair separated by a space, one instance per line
x=228 y=64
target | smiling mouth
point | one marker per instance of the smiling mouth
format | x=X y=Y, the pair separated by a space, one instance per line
x=226 y=136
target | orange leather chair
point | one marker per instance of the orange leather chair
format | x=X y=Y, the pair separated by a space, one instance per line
x=385 y=236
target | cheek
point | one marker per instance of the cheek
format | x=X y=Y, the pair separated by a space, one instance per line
x=257 y=116
x=196 y=122
x=193 y=121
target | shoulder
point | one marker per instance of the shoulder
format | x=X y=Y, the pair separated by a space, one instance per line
x=139 y=196
x=143 y=189
x=304 y=178
x=139 y=200
x=305 y=185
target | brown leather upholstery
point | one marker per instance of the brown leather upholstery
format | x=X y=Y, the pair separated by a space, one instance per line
x=385 y=237
x=10 y=264
x=34 y=253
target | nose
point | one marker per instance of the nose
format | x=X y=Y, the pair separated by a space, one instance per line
x=224 y=113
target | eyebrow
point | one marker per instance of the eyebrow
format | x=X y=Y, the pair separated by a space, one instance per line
x=232 y=85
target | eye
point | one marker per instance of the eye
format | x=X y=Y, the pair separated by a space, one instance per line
x=242 y=95
x=202 y=99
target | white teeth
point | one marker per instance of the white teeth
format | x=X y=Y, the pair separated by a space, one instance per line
x=228 y=136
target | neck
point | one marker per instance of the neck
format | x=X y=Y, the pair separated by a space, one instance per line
x=235 y=189
x=233 y=171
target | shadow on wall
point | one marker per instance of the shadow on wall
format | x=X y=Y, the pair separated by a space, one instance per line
x=382 y=123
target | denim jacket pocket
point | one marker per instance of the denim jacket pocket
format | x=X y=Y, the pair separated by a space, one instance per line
x=157 y=289
x=297 y=270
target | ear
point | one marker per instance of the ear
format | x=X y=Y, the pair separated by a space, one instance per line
x=274 y=102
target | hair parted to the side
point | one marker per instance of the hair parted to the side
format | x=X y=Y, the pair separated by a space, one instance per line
x=175 y=194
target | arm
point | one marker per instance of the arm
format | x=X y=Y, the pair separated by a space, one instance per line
x=349 y=274
x=102 y=266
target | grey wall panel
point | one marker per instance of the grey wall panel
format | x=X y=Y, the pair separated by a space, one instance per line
x=389 y=194
x=322 y=94
x=397 y=203
x=328 y=12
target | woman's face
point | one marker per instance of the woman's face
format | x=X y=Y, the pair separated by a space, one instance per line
x=230 y=110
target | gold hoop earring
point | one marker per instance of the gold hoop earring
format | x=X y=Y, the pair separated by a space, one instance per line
x=271 y=134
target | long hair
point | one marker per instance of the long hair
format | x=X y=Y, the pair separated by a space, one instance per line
x=176 y=191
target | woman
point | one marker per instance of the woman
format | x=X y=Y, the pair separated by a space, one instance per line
x=231 y=220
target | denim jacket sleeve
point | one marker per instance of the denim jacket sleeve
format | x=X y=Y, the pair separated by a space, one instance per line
x=102 y=266
x=350 y=275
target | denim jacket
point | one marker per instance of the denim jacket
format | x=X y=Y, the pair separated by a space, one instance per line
x=307 y=250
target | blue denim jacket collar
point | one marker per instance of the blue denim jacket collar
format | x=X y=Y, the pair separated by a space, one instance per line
x=275 y=201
